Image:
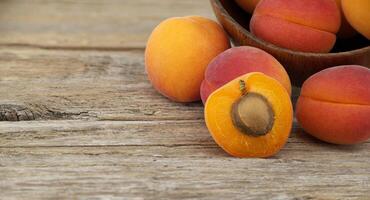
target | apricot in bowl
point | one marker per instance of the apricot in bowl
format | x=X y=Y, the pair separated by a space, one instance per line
x=345 y=30
x=247 y=5
x=300 y=25
x=357 y=14
x=299 y=65
x=251 y=116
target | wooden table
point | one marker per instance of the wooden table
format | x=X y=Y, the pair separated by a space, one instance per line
x=90 y=126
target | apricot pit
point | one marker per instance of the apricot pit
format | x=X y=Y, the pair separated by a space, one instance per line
x=253 y=114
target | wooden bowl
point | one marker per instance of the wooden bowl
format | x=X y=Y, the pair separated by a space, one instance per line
x=299 y=65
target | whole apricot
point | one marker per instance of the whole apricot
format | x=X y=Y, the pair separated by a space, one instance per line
x=300 y=25
x=178 y=52
x=238 y=61
x=358 y=15
x=334 y=105
x=251 y=116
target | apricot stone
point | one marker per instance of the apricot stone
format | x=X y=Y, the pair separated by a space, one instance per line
x=358 y=15
x=178 y=52
x=334 y=105
x=238 y=61
x=248 y=5
x=300 y=25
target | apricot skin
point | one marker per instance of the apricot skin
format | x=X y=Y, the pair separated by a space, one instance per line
x=300 y=25
x=334 y=105
x=358 y=15
x=248 y=5
x=178 y=52
x=238 y=61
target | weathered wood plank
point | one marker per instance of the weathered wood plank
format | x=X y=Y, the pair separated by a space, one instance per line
x=44 y=84
x=168 y=159
x=103 y=133
x=158 y=172
x=108 y=24
x=118 y=138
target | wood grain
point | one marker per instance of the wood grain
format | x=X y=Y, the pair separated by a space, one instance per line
x=89 y=24
x=79 y=120
x=52 y=84
x=158 y=172
x=142 y=160
x=132 y=133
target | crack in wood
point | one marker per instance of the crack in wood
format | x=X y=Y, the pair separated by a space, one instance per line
x=18 y=112
x=204 y=145
x=9 y=112
x=73 y=48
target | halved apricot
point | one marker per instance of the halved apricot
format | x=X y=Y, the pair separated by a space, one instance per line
x=250 y=116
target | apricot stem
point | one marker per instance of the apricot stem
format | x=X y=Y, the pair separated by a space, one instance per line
x=253 y=114
x=242 y=87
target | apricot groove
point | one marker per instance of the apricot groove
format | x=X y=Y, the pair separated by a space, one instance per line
x=300 y=25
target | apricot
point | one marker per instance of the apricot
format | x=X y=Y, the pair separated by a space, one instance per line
x=300 y=25
x=358 y=15
x=178 y=52
x=334 y=105
x=247 y=5
x=346 y=30
x=238 y=61
x=251 y=116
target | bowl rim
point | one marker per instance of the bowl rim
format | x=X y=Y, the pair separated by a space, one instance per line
x=227 y=15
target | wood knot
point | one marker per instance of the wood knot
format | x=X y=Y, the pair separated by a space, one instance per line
x=11 y=112
x=27 y=112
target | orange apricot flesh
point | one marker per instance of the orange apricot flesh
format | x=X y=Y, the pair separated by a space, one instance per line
x=251 y=116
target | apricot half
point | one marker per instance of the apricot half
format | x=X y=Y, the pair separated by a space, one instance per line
x=251 y=116
x=334 y=105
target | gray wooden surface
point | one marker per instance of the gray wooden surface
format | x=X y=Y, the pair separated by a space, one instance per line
x=90 y=126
